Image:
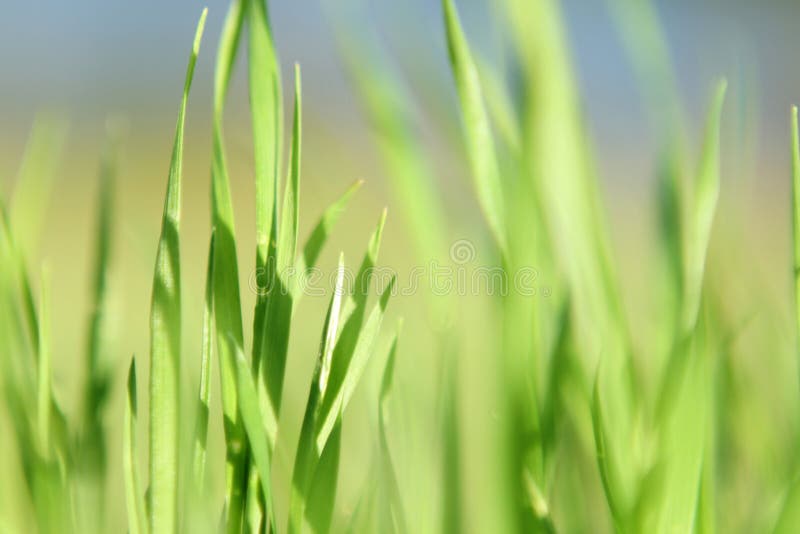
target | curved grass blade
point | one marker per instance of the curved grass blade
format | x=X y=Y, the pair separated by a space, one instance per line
x=253 y=423
x=351 y=333
x=605 y=462
x=307 y=454
x=704 y=206
x=319 y=236
x=477 y=127
x=137 y=523
x=204 y=396
x=44 y=404
x=227 y=303
x=165 y=344
x=347 y=367
x=277 y=319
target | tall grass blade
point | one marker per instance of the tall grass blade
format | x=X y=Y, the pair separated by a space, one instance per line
x=98 y=379
x=277 y=318
x=253 y=423
x=347 y=367
x=137 y=522
x=307 y=454
x=796 y=220
x=703 y=209
x=227 y=303
x=477 y=127
x=204 y=394
x=350 y=336
x=165 y=331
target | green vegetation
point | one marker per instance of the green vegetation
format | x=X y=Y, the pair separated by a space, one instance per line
x=588 y=424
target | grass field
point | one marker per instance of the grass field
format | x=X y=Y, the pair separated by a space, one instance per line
x=478 y=343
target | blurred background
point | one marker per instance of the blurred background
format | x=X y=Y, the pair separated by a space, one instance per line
x=91 y=61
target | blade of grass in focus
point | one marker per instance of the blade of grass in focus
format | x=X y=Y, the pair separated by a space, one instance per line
x=349 y=338
x=200 y=441
x=253 y=422
x=319 y=236
x=307 y=454
x=165 y=331
x=276 y=321
x=227 y=304
x=396 y=520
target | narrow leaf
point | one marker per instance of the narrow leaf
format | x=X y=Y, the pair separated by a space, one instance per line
x=137 y=524
x=165 y=345
x=204 y=396
x=477 y=128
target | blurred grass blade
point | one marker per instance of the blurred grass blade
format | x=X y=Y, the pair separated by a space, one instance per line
x=206 y=355
x=137 y=524
x=389 y=109
x=227 y=304
x=704 y=206
x=307 y=454
x=388 y=475
x=789 y=516
x=45 y=373
x=477 y=128
x=606 y=463
x=253 y=422
x=796 y=220
x=165 y=331
x=31 y=197
x=98 y=379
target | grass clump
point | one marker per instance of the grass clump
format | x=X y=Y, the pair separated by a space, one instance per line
x=586 y=423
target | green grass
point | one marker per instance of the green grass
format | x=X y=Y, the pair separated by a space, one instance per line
x=562 y=418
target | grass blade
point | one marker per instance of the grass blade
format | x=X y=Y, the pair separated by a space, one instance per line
x=30 y=200
x=165 y=327
x=796 y=219
x=206 y=355
x=388 y=475
x=98 y=380
x=227 y=303
x=346 y=369
x=319 y=236
x=703 y=209
x=322 y=493
x=266 y=110
x=137 y=524
x=345 y=347
x=606 y=463
x=276 y=325
x=253 y=423
x=477 y=127
x=307 y=454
